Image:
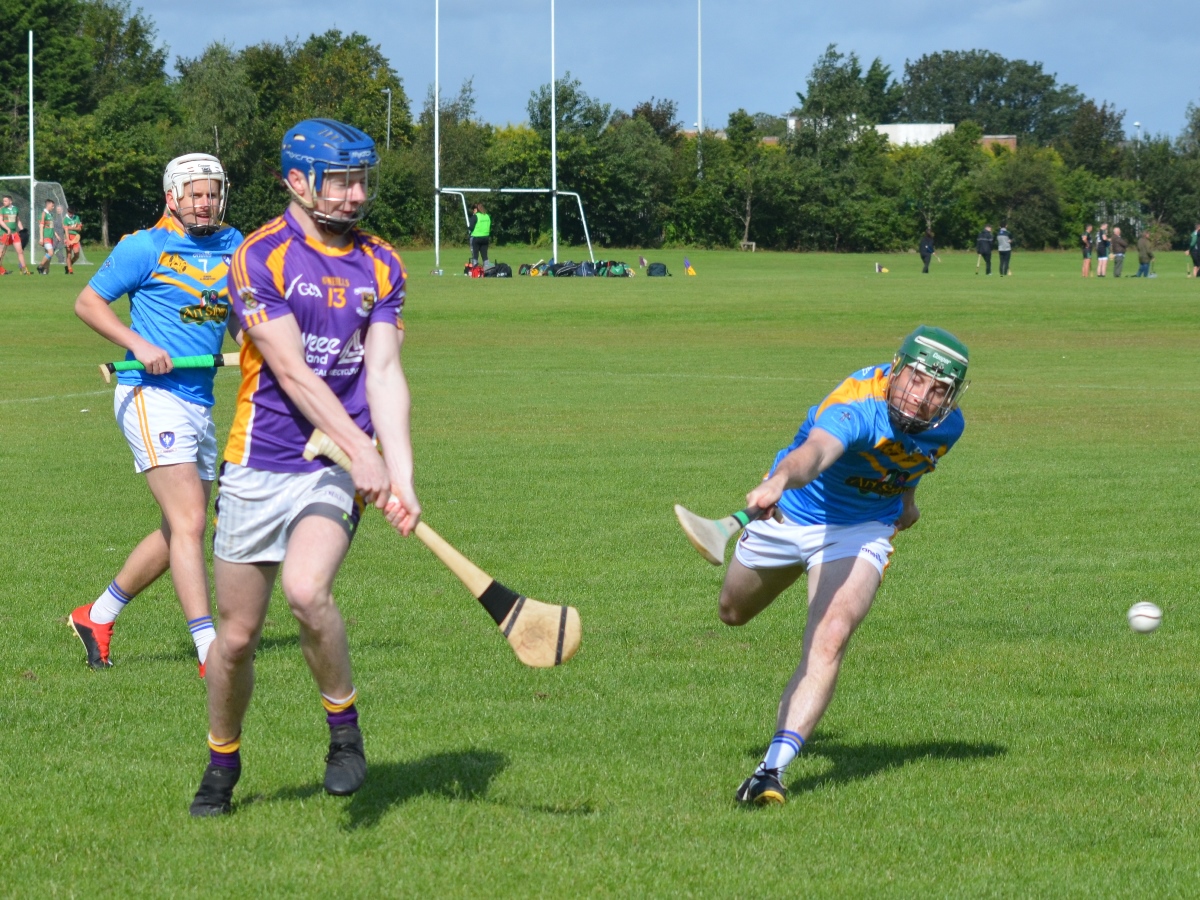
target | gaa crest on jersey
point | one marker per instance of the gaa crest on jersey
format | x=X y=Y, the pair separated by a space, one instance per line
x=249 y=297
x=167 y=439
x=366 y=301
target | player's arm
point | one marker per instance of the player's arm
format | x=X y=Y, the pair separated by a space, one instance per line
x=282 y=347
x=818 y=452
x=908 y=509
x=98 y=315
x=234 y=327
x=389 y=401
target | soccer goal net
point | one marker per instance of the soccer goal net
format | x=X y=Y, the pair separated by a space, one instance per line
x=18 y=190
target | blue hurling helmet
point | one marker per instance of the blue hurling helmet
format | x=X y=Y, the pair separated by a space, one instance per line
x=323 y=148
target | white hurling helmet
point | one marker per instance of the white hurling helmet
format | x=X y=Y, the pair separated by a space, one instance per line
x=192 y=167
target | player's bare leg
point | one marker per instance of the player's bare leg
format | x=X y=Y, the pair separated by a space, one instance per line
x=840 y=596
x=183 y=499
x=746 y=592
x=243 y=595
x=315 y=552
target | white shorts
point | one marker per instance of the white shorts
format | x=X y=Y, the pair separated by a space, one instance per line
x=767 y=544
x=164 y=430
x=257 y=509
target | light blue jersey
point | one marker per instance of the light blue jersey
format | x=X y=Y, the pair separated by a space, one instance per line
x=880 y=462
x=177 y=298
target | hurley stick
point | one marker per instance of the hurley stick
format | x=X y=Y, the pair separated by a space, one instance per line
x=208 y=361
x=710 y=536
x=541 y=634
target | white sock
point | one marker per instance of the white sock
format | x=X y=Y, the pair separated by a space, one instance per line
x=785 y=747
x=109 y=605
x=203 y=634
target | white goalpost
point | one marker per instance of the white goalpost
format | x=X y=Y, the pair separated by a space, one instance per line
x=30 y=195
x=460 y=192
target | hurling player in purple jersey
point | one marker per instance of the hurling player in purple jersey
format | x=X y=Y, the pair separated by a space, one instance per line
x=843 y=488
x=321 y=305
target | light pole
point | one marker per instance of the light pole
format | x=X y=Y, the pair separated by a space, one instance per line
x=699 y=100
x=388 y=91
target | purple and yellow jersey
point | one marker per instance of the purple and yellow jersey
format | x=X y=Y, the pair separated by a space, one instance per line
x=177 y=298
x=880 y=462
x=335 y=296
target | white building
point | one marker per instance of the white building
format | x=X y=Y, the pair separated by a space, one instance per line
x=914 y=135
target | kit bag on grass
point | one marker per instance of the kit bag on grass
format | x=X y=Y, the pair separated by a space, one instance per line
x=587 y=267
x=499 y=270
x=657 y=270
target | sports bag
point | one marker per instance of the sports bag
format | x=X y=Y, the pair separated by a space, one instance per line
x=657 y=269
x=587 y=267
x=498 y=270
x=525 y=269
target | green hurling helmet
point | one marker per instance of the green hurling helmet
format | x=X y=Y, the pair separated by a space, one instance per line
x=939 y=354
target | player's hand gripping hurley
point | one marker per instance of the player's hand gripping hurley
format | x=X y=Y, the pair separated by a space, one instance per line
x=207 y=361
x=710 y=536
x=541 y=634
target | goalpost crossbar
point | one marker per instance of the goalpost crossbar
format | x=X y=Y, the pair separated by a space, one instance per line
x=461 y=193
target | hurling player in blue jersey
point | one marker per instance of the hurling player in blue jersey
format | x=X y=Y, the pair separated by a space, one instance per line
x=843 y=487
x=174 y=274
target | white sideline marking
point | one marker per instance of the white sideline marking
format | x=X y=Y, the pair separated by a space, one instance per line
x=55 y=397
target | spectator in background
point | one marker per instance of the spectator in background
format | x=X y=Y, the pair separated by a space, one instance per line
x=1119 y=246
x=480 y=226
x=1086 y=240
x=1145 y=255
x=10 y=234
x=1194 y=251
x=983 y=246
x=1004 y=243
x=1102 y=243
x=926 y=249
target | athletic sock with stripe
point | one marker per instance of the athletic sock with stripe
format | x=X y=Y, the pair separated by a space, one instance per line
x=341 y=712
x=109 y=604
x=203 y=634
x=785 y=746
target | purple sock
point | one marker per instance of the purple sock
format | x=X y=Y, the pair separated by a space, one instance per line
x=348 y=716
x=225 y=760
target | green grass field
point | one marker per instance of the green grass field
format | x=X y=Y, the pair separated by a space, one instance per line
x=998 y=730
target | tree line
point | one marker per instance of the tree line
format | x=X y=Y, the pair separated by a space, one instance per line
x=109 y=114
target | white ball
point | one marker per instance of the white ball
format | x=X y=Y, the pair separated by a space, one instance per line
x=1144 y=617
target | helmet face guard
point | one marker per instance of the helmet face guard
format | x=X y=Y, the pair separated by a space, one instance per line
x=341 y=166
x=928 y=379
x=192 y=167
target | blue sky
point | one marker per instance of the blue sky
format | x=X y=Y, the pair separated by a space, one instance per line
x=756 y=53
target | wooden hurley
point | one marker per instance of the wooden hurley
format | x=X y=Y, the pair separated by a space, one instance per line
x=541 y=634
x=710 y=536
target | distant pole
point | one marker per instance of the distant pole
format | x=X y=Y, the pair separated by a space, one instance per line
x=388 y=144
x=437 y=137
x=553 y=141
x=32 y=183
x=699 y=97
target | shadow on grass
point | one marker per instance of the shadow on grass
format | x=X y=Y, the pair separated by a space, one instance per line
x=854 y=762
x=465 y=775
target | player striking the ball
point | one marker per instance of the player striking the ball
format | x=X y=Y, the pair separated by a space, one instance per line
x=845 y=485
x=174 y=274
x=10 y=233
x=321 y=304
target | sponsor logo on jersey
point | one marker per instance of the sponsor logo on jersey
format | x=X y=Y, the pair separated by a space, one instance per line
x=318 y=350
x=893 y=484
x=204 y=312
x=335 y=281
x=353 y=355
x=167 y=439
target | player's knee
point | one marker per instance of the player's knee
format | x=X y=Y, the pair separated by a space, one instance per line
x=237 y=643
x=730 y=611
x=308 y=600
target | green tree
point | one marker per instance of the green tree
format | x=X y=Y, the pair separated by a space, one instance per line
x=1093 y=139
x=837 y=87
x=1021 y=191
x=1004 y=96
